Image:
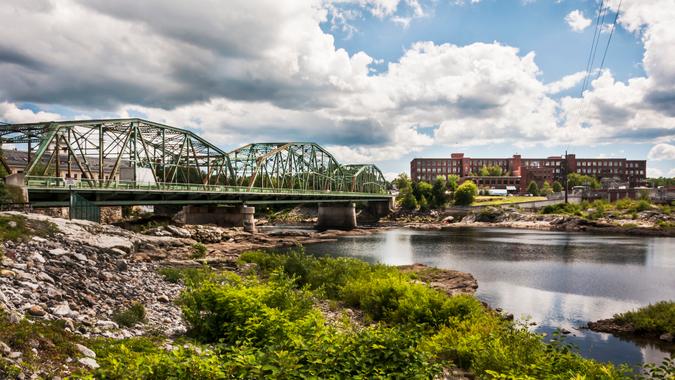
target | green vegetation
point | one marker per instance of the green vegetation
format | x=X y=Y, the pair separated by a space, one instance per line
x=266 y=324
x=533 y=188
x=131 y=316
x=491 y=171
x=501 y=200
x=655 y=319
x=546 y=189
x=624 y=208
x=55 y=344
x=423 y=194
x=556 y=187
x=198 y=251
x=661 y=181
x=575 y=179
x=466 y=193
x=18 y=228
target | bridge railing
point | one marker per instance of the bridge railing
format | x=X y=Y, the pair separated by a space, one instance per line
x=39 y=182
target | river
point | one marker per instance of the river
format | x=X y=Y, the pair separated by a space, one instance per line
x=556 y=279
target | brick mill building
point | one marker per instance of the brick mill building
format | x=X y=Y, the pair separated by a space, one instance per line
x=518 y=172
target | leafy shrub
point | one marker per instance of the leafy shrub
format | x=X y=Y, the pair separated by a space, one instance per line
x=198 y=251
x=655 y=319
x=556 y=187
x=189 y=276
x=265 y=326
x=131 y=316
x=233 y=310
x=562 y=208
x=466 y=193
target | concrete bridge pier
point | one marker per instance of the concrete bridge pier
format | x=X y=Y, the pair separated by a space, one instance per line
x=336 y=216
x=375 y=210
x=238 y=216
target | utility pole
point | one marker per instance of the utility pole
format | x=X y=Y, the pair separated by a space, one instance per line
x=565 y=176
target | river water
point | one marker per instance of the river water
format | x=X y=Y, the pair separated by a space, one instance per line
x=556 y=279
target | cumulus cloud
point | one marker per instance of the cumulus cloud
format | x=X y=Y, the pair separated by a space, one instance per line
x=662 y=152
x=10 y=113
x=577 y=21
x=236 y=77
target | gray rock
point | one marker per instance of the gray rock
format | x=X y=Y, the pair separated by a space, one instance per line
x=89 y=362
x=62 y=310
x=80 y=256
x=57 y=251
x=667 y=337
x=86 y=351
x=163 y=299
x=14 y=355
x=106 y=325
x=4 y=348
x=11 y=224
x=177 y=231
x=45 y=277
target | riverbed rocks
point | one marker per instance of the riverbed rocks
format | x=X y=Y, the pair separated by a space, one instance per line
x=86 y=272
x=448 y=281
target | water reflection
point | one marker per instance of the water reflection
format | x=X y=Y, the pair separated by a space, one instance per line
x=559 y=280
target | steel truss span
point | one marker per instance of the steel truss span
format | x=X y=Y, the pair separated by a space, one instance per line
x=143 y=155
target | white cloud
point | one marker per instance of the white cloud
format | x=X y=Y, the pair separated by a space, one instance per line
x=10 y=113
x=662 y=152
x=286 y=80
x=654 y=172
x=565 y=83
x=671 y=173
x=577 y=21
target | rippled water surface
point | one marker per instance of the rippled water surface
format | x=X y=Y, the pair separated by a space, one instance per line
x=557 y=279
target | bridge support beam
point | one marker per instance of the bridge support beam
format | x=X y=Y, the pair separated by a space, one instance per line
x=336 y=216
x=239 y=216
x=375 y=210
x=19 y=191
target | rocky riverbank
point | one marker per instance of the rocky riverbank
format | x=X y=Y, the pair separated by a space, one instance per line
x=645 y=224
x=85 y=277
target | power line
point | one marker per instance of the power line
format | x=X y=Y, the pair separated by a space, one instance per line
x=609 y=39
x=600 y=18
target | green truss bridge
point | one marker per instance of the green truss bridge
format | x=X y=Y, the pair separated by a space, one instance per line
x=120 y=162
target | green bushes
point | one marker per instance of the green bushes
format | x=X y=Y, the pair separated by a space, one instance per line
x=265 y=325
x=466 y=193
x=654 y=319
x=131 y=316
x=198 y=251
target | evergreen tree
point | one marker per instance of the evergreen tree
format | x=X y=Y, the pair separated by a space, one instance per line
x=546 y=189
x=557 y=187
x=439 y=198
x=532 y=188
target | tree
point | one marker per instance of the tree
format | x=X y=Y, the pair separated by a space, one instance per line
x=557 y=187
x=405 y=197
x=545 y=189
x=424 y=205
x=532 y=188
x=409 y=202
x=490 y=171
x=439 y=198
x=453 y=182
x=466 y=193
x=575 y=179
x=422 y=189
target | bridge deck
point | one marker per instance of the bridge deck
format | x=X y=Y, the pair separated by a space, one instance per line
x=55 y=192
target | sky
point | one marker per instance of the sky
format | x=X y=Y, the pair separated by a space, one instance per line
x=379 y=81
